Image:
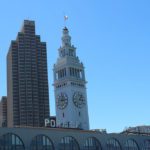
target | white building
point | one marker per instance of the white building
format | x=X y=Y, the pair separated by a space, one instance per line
x=70 y=87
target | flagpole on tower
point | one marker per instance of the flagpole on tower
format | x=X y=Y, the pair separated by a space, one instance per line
x=65 y=19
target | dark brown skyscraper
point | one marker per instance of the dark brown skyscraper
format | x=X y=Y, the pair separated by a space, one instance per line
x=27 y=79
x=3 y=112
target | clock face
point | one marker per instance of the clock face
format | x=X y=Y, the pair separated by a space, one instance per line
x=78 y=99
x=62 y=101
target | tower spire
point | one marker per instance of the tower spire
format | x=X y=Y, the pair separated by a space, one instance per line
x=66 y=38
x=66 y=49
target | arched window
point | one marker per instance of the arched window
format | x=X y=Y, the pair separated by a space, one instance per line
x=92 y=144
x=11 y=141
x=113 y=144
x=68 y=143
x=131 y=145
x=146 y=145
x=41 y=142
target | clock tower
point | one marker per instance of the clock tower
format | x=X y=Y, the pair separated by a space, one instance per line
x=70 y=87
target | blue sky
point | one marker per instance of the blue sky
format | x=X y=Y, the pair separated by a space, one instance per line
x=113 y=41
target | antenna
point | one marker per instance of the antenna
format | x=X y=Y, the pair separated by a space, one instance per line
x=65 y=19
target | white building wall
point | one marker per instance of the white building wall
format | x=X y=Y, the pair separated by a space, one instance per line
x=71 y=116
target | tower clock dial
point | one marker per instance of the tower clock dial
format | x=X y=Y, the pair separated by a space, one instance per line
x=78 y=99
x=62 y=101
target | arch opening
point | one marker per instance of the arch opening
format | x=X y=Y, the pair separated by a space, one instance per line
x=11 y=141
x=68 y=143
x=113 y=144
x=146 y=145
x=131 y=145
x=41 y=142
x=92 y=144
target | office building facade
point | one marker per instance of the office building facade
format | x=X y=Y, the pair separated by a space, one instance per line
x=27 y=79
x=3 y=111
